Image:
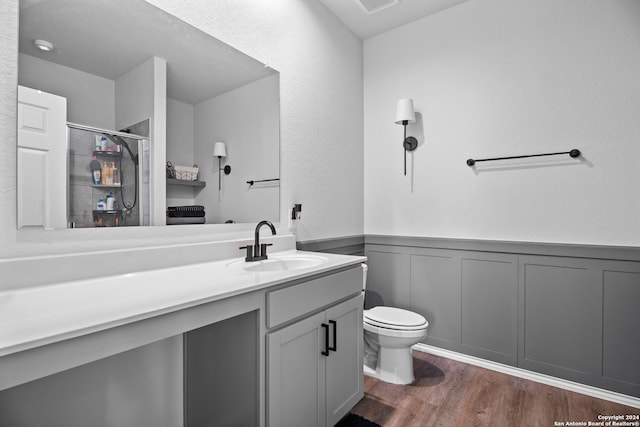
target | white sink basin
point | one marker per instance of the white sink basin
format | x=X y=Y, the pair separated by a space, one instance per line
x=282 y=263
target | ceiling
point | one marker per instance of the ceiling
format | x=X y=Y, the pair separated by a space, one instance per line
x=365 y=25
x=108 y=38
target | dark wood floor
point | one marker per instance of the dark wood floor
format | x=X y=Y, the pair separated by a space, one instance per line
x=449 y=393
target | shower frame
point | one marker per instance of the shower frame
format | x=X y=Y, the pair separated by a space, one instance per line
x=143 y=142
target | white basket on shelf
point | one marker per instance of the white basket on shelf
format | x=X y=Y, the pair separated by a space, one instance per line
x=187 y=173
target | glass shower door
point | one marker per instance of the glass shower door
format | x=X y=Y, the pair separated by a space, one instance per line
x=108 y=178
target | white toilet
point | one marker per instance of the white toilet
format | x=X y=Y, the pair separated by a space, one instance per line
x=389 y=333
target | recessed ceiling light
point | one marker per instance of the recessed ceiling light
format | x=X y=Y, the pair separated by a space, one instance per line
x=373 y=6
x=43 y=45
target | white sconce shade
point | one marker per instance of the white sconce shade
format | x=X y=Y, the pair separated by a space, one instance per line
x=405 y=114
x=219 y=149
x=405 y=111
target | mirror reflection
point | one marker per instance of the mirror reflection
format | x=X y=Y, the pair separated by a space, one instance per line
x=139 y=100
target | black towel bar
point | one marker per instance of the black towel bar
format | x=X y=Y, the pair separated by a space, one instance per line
x=573 y=153
x=262 y=180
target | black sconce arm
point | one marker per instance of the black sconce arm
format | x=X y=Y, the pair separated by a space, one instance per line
x=409 y=143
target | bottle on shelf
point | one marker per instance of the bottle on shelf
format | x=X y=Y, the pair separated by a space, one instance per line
x=101 y=142
x=111 y=201
x=109 y=180
x=95 y=171
x=101 y=205
x=107 y=173
x=111 y=173
x=116 y=175
x=103 y=173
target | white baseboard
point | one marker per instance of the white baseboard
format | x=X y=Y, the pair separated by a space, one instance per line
x=598 y=393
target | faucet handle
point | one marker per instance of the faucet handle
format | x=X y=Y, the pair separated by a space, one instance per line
x=249 y=248
x=263 y=249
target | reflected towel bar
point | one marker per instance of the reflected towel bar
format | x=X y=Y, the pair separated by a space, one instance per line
x=262 y=180
x=573 y=153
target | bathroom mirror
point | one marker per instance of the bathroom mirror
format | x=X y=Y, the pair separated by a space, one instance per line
x=128 y=66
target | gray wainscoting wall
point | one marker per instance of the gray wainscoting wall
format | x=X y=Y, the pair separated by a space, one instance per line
x=349 y=245
x=569 y=311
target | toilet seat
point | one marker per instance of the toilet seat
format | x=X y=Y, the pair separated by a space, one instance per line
x=394 y=318
x=417 y=334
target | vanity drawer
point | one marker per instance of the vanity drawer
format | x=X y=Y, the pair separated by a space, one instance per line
x=295 y=301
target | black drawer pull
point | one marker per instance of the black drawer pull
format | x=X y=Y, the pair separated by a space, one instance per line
x=335 y=335
x=326 y=340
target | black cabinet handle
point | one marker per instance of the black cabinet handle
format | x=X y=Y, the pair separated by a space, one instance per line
x=326 y=340
x=335 y=335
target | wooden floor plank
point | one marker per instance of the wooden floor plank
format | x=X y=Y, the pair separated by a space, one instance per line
x=448 y=393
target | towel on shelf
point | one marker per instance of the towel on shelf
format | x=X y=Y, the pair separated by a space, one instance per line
x=191 y=211
x=186 y=220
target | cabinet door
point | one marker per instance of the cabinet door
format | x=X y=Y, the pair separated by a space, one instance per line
x=296 y=374
x=344 y=364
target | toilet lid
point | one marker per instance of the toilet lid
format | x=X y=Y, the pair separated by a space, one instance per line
x=394 y=318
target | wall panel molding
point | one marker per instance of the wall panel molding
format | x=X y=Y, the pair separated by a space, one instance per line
x=560 y=317
x=347 y=245
x=569 y=311
x=489 y=307
x=618 y=253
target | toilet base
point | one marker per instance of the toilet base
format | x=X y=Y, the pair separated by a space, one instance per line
x=395 y=366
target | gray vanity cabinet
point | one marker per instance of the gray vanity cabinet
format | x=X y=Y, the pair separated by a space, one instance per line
x=344 y=381
x=307 y=386
x=314 y=365
x=296 y=374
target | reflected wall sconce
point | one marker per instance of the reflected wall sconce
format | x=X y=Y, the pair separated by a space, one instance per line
x=220 y=151
x=405 y=114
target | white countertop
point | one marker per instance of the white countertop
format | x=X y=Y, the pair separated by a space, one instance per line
x=41 y=315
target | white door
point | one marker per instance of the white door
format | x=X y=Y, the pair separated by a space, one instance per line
x=42 y=159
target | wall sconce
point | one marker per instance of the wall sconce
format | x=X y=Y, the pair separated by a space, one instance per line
x=220 y=151
x=405 y=115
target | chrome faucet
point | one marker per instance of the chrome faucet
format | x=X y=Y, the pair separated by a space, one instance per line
x=258 y=251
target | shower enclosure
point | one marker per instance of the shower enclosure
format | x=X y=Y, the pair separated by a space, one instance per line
x=108 y=177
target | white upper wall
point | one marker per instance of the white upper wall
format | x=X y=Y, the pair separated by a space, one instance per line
x=247 y=120
x=320 y=64
x=179 y=147
x=90 y=98
x=499 y=78
x=180 y=133
x=141 y=94
x=135 y=95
